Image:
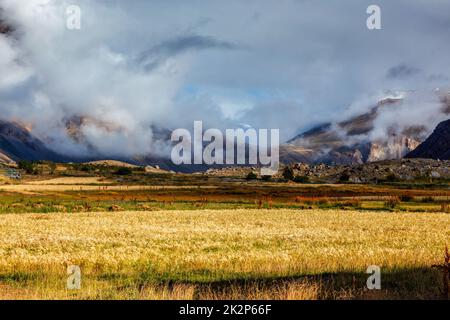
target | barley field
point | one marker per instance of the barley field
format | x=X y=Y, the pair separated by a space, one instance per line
x=223 y=254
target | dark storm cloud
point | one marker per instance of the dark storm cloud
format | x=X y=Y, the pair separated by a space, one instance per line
x=402 y=71
x=193 y=42
x=152 y=58
x=439 y=78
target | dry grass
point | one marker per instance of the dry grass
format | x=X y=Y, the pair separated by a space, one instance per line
x=112 y=163
x=137 y=255
x=39 y=186
x=71 y=181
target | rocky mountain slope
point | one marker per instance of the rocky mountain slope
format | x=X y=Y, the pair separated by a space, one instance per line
x=347 y=142
x=17 y=143
x=437 y=146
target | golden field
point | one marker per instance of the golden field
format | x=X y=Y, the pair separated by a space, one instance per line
x=222 y=254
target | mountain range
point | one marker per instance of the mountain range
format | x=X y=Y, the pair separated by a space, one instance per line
x=348 y=141
x=341 y=143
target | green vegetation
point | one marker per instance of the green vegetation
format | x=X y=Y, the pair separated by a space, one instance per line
x=392 y=203
x=288 y=173
x=345 y=177
x=252 y=176
x=28 y=166
x=124 y=171
x=301 y=179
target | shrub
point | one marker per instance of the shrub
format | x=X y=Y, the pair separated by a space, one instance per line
x=406 y=198
x=301 y=179
x=391 y=177
x=85 y=168
x=392 y=203
x=28 y=166
x=252 y=176
x=428 y=199
x=115 y=208
x=52 y=167
x=288 y=173
x=124 y=171
x=345 y=177
x=259 y=203
x=353 y=203
x=323 y=202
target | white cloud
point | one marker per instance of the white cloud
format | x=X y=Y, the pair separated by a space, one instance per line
x=13 y=72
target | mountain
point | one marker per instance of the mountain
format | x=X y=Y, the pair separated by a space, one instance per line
x=17 y=143
x=437 y=146
x=347 y=142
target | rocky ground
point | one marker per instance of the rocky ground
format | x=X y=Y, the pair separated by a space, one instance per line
x=404 y=170
x=382 y=171
x=389 y=171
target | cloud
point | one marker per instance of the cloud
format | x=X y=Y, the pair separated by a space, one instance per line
x=192 y=42
x=402 y=71
x=154 y=64
x=152 y=58
x=13 y=71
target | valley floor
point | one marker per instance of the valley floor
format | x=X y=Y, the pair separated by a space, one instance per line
x=134 y=234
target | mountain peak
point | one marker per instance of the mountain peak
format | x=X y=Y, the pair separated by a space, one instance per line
x=437 y=146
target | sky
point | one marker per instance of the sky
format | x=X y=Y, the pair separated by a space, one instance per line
x=287 y=64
